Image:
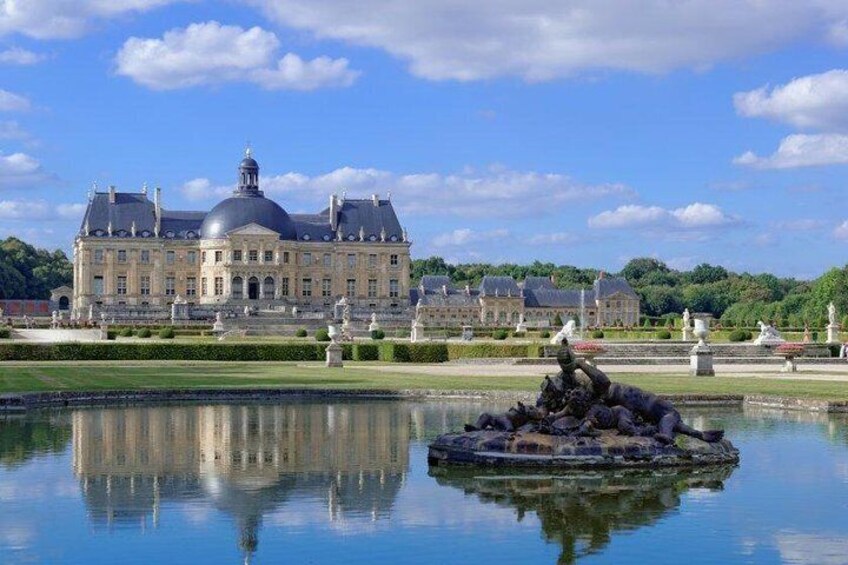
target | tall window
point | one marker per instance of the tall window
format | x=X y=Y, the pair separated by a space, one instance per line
x=394 y=288
x=351 y=260
x=328 y=260
x=351 y=287
x=285 y=257
x=144 y=257
x=393 y=260
x=203 y=286
x=372 y=288
x=219 y=285
x=268 y=288
x=144 y=285
x=170 y=257
x=98 y=256
x=284 y=286
x=307 y=259
x=122 y=255
x=191 y=257
x=326 y=287
x=253 y=255
x=191 y=286
x=170 y=286
x=122 y=285
x=98 y=286
x=268 y=257
x=237 y=255
x=237 y=288
x=203 y=257
x=372 y=260
x=219 y=256
x=306 y=288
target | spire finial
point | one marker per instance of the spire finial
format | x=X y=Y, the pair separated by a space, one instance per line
x=248 y=152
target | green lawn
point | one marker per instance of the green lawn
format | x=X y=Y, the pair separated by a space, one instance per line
x=31 y=377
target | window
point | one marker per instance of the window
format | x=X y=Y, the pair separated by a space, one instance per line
x=393 y=260
x=268 y=256
x=203 y=257
x=328 y=260
x=144 y=285
x=170 y=286
x=307 y=259
x=253 y=255
x=98 y=286
x=372 y=288
x=284 y=286
x=285 y=257
x=237 y=255
x=170 y=257
x=144 y=257
x=372 y=260
x=219 y=256
x=351 y=287
x=237 y=289
x=203 y=286
x=394 y=288
x=306 y=289
x=191 y=286
x=191 y=257
x=351 y=260
x=326 y=287
x=219 y=284
x=122 y=285
x=122 y=255
x=268 y=288
x=98 y=256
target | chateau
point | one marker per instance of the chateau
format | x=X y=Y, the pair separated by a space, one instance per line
x=132 y=256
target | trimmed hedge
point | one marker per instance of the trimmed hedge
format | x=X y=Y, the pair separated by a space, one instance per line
x=597 y=334
x=126 y=332
x=366 y=352
x=300 y=333
x=5 y=333
x=740 y=335
x=663 y=334
x=378 y=335
x=166 y=333
x=478 y=350
x=500 y=335
x=322 y=335
x=144 y=333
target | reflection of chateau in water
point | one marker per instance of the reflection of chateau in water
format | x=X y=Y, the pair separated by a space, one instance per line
x=582 y=510
x=246 y=459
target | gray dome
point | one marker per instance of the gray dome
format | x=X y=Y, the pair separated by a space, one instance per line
x=239 y=211
x=248 y=163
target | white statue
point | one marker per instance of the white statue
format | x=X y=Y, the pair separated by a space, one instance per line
x=180 y=300
x=831 y=314
x=768 y=335
x=373 y=326
x=522 y=325
x=686 y=318
x=567 y=332
x=218 y=326
x=54 y=322
x=90 y=313
x=294 y=311
x=247 y=310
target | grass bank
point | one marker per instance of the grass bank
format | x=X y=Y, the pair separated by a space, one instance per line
x=101 y=376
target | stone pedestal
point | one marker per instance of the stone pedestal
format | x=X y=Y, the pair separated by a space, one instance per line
x=179 y=311
x=334 y=355
x=789 y=366
x=701 y=361
x=521 y=328
x=104 y=331
x=417 y=332
x=833 y=333
x=687 y=333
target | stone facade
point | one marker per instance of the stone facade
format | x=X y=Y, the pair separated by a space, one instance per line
x=131 y=254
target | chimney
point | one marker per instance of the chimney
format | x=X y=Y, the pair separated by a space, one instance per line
x=600 y=275
x=144 y=189
x=361 y=233
x=111 y=194
x=132 y=228
x=375 y=198
x=553 y=279
x=334 y=221
x=383 y=234
x=157 y=204
x=445 y=289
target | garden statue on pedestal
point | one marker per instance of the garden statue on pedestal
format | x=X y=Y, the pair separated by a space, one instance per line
x=768 y=335
x=373 y=326
x=567 y=333
x=334 y=349
x=832 y=324
x=218 y=326
x=687 y=328
x=522 y=325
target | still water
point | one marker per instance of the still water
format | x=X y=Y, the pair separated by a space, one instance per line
x=333 y=482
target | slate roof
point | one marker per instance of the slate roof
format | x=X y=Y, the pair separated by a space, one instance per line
x=500 y=286
x=554 y=298
x=607 y=286
x=533 y=283
x=372 y=219
x=451 y=299
x=129 y=207
x=313 y=227
x=434 y=283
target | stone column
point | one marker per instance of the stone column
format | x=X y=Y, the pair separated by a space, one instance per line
x=701 y=361
x=334 y=355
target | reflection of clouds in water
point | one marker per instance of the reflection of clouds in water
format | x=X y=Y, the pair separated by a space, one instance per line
x=197 y=514
x=812 y=548
x=16 y=491
x=842 y=471
x=16 y=536
x=747 y=546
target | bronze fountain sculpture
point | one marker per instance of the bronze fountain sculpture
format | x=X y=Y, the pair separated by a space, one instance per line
x=584 y=420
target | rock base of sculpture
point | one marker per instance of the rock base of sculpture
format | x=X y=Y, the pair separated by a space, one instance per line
x=833 y=333
x=334 y=355
x=701 y=361
x=609 y=450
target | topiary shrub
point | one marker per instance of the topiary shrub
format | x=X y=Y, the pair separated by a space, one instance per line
x=519 y=334
x=322 y=335
x=126 y=332
x=300 y=333
x=597 y=334
x=144 y=333
x=111 y=335
x=499 y=334
x=5 y=333
x=544 y=334
x=738 y=335
x=663 y=334
x=166 y=333
x=378 y=334
x=366 y=352
x=558 y=321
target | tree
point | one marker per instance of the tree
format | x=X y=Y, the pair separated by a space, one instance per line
x=636 y=269
x=706 y=273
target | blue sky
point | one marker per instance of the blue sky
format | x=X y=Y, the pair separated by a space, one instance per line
x=587 y=133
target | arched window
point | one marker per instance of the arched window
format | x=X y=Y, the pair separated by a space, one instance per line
x=268 y=289
x=253 y=288
x=238 y=288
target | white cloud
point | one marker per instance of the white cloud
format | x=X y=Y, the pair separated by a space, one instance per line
x=18 y=56
x=20 y=209
x=64 y=19
x=466 y=236
x=841 y=231
x=12 y=130
x=801 y=150
x=210 y=53
x=693 y=216
x=815 y=101
x=21 y=170
x=801 y=225
x=11 y=102
x=556 y=238
x=71 y=211
x=541 y=40
x=493 y=192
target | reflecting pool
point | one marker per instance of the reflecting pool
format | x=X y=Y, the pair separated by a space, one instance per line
x=348 y=482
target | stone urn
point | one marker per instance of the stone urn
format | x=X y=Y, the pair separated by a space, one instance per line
x=588 y=350
x=702 y=331
x=789 y=352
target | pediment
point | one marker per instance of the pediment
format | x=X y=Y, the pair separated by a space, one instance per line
x=252 y=229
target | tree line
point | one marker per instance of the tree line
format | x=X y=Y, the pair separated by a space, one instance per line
x=27 y=272
x=737 y=299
